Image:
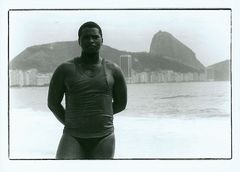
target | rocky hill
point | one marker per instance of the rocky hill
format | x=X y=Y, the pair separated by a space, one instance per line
x=166 y=52
x=47 y=57
x=167 y=46
x=220 y=71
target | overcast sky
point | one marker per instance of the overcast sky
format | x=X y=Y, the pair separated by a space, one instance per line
x=206 y=32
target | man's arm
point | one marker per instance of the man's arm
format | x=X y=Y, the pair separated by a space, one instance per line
x=56 y=93
x=119 y=91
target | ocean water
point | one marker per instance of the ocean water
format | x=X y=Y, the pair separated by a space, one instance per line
x=165 y=120
x=196 y=99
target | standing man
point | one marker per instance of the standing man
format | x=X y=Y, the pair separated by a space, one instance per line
x=94 y=90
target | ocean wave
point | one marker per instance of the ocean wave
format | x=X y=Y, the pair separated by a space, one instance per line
x=178 y=96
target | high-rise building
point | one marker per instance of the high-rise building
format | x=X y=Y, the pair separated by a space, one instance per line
x=16 y=78
x=43 y=79
x=126 y=65
x=31 y=77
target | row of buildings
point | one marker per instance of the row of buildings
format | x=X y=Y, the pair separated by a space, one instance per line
x=33 y=78
x=165 y=76
x=28 y=78
x=157 y=76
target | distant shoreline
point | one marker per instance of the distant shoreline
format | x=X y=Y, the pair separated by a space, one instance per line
x=26 y=86
x=31 y=86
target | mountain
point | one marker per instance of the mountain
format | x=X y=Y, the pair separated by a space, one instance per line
x=150 y=62
x=219 y=71
x=167 y=46
x=45 y=58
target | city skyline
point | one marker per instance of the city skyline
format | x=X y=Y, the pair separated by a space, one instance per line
x=32 y=77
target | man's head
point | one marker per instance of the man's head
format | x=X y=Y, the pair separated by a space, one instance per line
x=89 y=24
x=90 y=37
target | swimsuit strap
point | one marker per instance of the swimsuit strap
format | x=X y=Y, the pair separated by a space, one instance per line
x=104 y=71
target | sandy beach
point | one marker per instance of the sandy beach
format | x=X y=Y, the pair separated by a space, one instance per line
x=35 y=135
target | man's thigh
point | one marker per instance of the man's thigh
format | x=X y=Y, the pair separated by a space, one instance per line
x=105 y=148
x=69 y=148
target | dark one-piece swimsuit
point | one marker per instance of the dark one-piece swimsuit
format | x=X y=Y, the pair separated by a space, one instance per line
x=89 y=113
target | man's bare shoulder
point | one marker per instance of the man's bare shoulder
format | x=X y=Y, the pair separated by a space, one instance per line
x=111 y=65
x=67 y=63
x=65 y=66
x=116 y=70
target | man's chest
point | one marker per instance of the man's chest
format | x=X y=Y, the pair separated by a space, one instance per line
x=89 y=78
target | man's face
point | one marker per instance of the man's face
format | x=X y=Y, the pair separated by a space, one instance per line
x=90 y=40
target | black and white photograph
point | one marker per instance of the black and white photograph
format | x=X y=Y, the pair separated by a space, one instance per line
x=168 y=91
x=119 y=86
